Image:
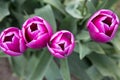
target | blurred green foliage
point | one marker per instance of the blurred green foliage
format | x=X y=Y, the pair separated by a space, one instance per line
x=89 y=61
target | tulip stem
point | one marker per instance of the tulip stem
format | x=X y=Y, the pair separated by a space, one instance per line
x=65 y=69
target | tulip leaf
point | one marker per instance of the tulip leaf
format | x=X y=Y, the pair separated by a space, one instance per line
x=94 y=74
x=116 y=42
x=30 y=66
x=47 y=13
x=83 y=35
x=83 y=50
x=69 y=23
x=104 y=4
x=30 y=5
x=57 y=4
x=18 y=65
x=95 y=47
x=72 y=9
x=53 y=72
x=78 y=67
x=4 y=11
x=65 y=69
x=90 y=6
x=105 y=65
x=41 y=67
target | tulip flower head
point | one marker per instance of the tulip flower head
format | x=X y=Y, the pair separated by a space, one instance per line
x=103 y=25
x=12 y=42
x=61 y=44
x=36 y=32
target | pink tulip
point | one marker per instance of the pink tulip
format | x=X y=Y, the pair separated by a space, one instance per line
x=61 y=44
x=12 y=42
x=36 y=32
x=103 y=25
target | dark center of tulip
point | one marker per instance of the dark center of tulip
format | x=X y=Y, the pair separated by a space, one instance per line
x=8 y=38
x=33 y=27
x=108 y=21
x=62 y=46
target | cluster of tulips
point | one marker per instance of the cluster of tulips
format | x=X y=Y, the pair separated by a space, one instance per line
x=37 y=33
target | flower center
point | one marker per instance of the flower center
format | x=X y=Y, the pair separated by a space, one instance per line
x=108 y=21
x=8 y=38
x=33 y=27
x=62 y=46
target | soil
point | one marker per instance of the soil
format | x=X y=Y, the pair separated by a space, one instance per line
x=5 y=70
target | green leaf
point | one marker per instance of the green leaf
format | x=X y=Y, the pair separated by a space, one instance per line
x=41 y=67
x=83 y=35
x=94 y=74
x=70 y=24
x=4 y=11
x=104 y=4
x=47 y=13
x=95 y=2
x=72 y=9
x=116 y=42
x=108 y=48
x=83 y=50
x=57 y=4
x=95 y=47
x=78 y=67
x=105 y=65
x=30 y=66
x=53 y=72
x=90 y=6
x=18 y=65
x=20 y=2
x=30 y=5
x=65 y=69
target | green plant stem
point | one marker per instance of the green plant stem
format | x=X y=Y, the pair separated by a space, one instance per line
x=65 y=69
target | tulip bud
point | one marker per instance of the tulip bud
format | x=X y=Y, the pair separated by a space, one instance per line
x=61 y=44
x=12 y=42
x=103 y=25
x=36 y=32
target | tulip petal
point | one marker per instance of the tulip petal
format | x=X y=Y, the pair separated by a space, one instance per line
x=9 y=41
x=12 y=53
x=60 y=42
x=36 y=32
x=103 y=25
x=38 y=43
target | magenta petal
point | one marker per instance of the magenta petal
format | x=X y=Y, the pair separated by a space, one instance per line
x=57 y=55
x=98 y=23
x=103 y=25
x=60 y=51
x=70 y=48
x=67 y=38
x=91 y=27
x=36 y=32
x=100 y=37
x=48 y=26
x=12 y=53
x=22 y=46
x=56 y=37
x=14 y=47
x=60 y=42
x=114 y=30
x=38 y=42
x=9 y=41
x=92 y=17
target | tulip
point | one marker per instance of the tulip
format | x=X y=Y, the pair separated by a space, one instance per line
x=36 y=32
x=61 y=44
x=12 y=42
x=102 y=26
